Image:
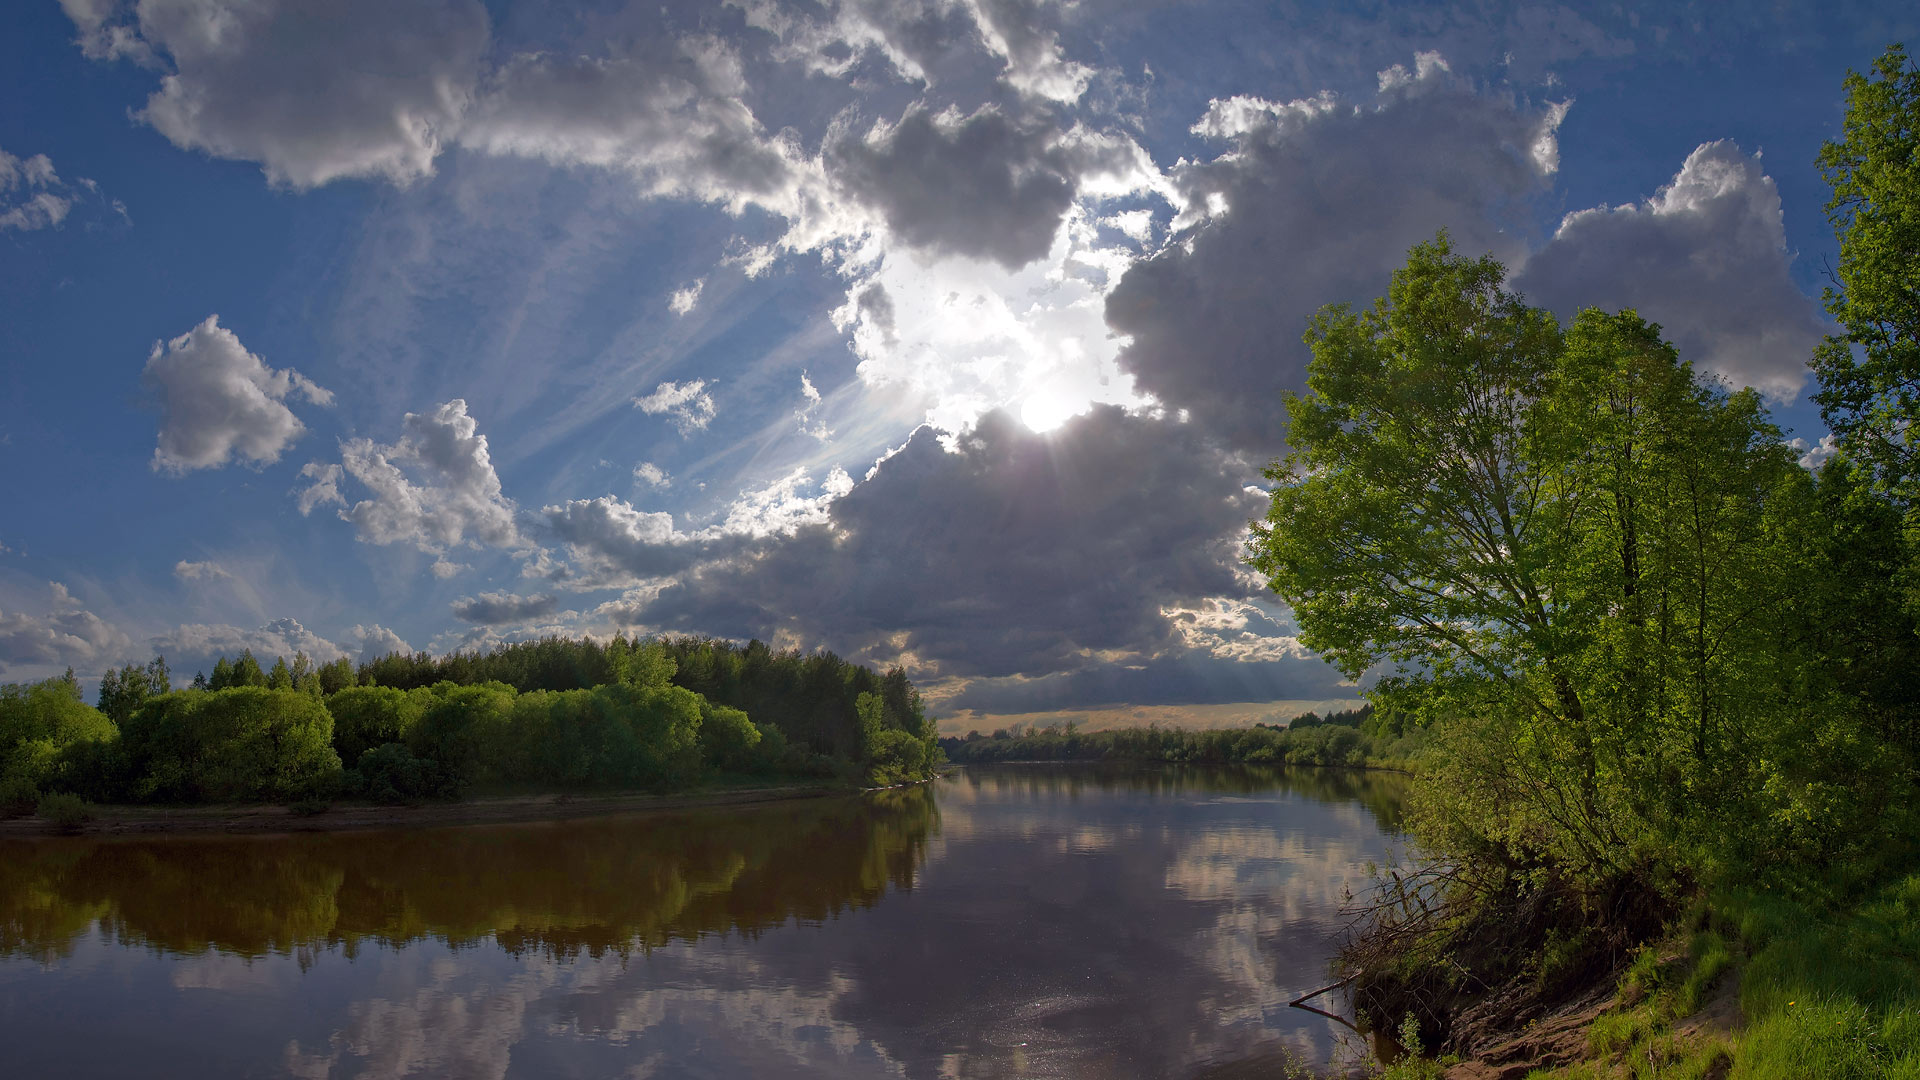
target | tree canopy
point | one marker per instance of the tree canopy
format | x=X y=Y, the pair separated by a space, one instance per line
x=1870 y=371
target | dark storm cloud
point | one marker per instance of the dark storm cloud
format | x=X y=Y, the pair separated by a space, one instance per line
x=989 y=185
x=1020 y=553
x=1322 y=202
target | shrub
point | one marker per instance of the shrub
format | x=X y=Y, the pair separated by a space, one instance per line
x=368 y=716
x=18 y=795
x=392 y=774
x=464 y=728
x=64 y=809
x=39 y=724
x=898 y=756
x=729 y=741
x=244 y=743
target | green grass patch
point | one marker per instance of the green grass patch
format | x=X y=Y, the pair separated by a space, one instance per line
x=1832 y=992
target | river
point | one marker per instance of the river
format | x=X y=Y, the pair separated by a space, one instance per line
x=1031 y=921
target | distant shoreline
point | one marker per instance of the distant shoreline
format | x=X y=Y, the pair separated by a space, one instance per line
x=485 y=810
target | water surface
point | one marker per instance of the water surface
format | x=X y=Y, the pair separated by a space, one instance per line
x=1048 y=921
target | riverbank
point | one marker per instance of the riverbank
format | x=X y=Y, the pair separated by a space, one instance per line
x=484 y=810
x=1744 y=985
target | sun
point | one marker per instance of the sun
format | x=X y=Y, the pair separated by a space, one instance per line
x=1047 y=408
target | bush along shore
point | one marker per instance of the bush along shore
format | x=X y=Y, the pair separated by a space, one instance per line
x=1667 y=814
x=547 y=716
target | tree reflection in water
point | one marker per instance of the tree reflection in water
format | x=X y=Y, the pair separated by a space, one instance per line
x=598 y=886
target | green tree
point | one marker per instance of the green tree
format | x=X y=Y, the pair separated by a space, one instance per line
x=1870 y=372
x=337 y=676
x=365 y=717
x=40 y=724
x=240 y=744
x=122 y=690
x=1560 y=547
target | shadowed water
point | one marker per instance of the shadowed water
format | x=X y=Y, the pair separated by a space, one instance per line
x=1066 y=921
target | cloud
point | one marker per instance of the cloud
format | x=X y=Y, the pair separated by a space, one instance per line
x=667 y=112
x=496 y=608
x=199 y=571
x=323 y=488
x=1313 y=202
x=202 y=643
x=781 y=508
x=1017 y=552
x=683 y=299
x=611 y=543
x=219 y=402
x=377 y=641
x=434 y=488
x=652 y=475
x=444 y=568
x=1815 y=455
x=32 y=195
x=687 y=403
x=67 y=635
x=1036 y=65
x=1705 y=257
x=370 y=88
x=987 y=185
x=810 y=395
x=1190 y=679
x=993 y=184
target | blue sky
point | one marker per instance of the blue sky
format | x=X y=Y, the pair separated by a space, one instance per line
x=946 y=332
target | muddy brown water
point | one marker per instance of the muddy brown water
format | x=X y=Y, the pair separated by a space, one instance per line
x=1032 y=921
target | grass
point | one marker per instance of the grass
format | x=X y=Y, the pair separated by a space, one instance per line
x=1828 y=989
x=1832 y=993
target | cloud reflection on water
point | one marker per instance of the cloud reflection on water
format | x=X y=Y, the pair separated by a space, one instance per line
x=1042 y=922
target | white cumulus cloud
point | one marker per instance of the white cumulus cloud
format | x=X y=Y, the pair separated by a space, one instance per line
x=1706 y=257
x=435 y=487
x=219 y=402
x=67 y=634
x=367 y=88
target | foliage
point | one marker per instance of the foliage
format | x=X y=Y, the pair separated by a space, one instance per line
x=729 y=741
x=389 y=773
x=463 y=728
x=610 y=736
x=65 y=810
x=577 y=714
x=1566 y=549
x=368 y=716
x=1870 y=372
x=1648 y=654
x=122 y=690
x=246 y=743
x=44 y=726
x=1353 y=739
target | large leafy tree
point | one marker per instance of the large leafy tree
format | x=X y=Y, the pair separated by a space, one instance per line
x=1870 y=372
x=1560 y=542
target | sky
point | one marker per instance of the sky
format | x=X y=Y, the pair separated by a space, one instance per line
x=942 y=333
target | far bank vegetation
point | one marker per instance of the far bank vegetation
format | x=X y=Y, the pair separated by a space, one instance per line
x=550 y=715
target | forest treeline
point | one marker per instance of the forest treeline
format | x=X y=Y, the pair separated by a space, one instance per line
x=1364 y=737
x=549 y=714
x=1669 y=676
